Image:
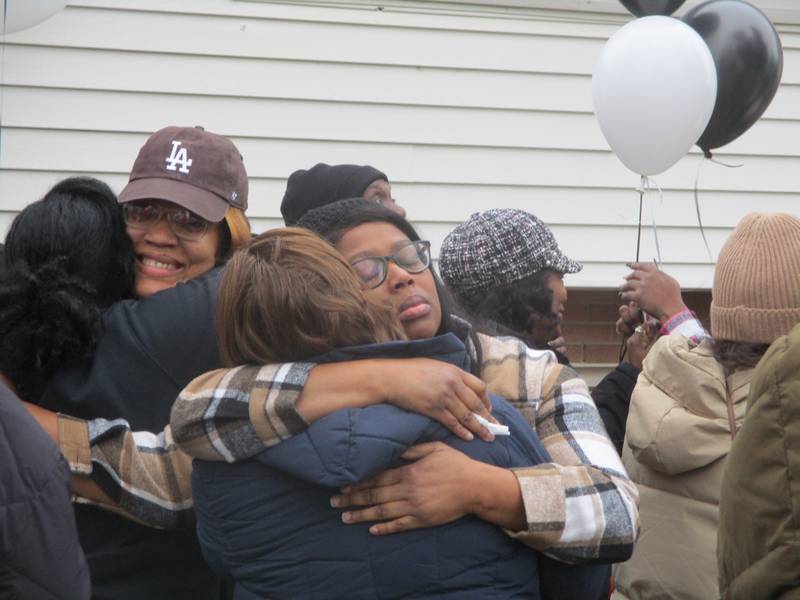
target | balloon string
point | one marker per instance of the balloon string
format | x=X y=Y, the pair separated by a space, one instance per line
x=623 y=349
x=647 y=182
x=697 y=209
x=640 y=189
x=724 y=164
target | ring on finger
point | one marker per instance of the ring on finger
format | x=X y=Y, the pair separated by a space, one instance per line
x=638 y=329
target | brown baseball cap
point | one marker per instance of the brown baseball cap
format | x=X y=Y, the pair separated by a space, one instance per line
x=191 y=167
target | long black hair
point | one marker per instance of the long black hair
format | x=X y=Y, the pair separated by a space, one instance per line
x=516 y=308
x=67 y=257
x=334 y=220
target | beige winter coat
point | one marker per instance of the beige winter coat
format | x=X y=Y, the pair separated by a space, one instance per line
x=678 y=436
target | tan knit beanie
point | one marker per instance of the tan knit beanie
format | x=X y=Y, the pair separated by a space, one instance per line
x=756 y=294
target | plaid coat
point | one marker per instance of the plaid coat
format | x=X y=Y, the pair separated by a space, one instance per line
x=581 y=506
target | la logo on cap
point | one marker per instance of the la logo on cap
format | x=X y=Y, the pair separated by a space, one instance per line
x=179 y=156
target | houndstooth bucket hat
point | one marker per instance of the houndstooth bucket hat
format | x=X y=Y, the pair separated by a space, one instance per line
x=498 y=247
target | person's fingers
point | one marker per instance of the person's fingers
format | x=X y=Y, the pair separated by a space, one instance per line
x=647 y=267
x=369 y=496
x=487 y=402
x=406 y=523
x=468 y=404
x=635 y=314
x=422 y=450
x=630 y=284
x=472 y=399
x=630 y=312
x=623 y=328
x=477 y=385
x=447 y=418
x=378 y=512
x=629 y=293
x=387 y=477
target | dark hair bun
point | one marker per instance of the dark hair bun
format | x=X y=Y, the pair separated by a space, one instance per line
x=48 y=318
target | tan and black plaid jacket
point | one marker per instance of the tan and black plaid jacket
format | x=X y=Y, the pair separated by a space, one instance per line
x=580 y=506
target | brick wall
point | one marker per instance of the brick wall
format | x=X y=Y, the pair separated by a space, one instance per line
x=589 y=323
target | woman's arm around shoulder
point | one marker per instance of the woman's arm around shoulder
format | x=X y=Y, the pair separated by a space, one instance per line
x=143 y=476
x=233 y=414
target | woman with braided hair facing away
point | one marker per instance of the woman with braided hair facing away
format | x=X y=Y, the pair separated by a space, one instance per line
x=67 y=259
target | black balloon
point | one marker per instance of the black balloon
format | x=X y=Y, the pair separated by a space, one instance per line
x=646 y=8
x=749 y=58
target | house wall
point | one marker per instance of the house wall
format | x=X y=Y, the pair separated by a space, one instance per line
x=465 y=105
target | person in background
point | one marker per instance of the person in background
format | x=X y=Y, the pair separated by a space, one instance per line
x=506 y=270
x=323 y=184
x=691 y=399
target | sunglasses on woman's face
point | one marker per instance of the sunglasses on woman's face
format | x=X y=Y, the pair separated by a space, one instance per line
x=413 y=257
x=182 y=222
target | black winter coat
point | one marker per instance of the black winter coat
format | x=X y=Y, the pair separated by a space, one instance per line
x=40 y=557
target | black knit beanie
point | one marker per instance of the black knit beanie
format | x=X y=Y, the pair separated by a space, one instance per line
x=323 y=184
x=324 y=219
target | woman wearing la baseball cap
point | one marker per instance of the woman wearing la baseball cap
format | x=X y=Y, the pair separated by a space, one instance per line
x=196 y=181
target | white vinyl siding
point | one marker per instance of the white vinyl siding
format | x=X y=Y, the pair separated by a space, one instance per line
x=466 y=106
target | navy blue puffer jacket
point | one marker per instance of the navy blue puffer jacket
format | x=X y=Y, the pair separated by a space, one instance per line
x=269 y=524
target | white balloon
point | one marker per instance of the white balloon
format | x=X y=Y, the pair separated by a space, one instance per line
x=654 y=89
x=16 y=15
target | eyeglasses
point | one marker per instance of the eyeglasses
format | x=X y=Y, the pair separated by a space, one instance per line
x=182 y=222
x=413 y=257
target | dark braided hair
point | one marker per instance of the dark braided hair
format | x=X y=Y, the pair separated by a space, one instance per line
x=67 y=257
